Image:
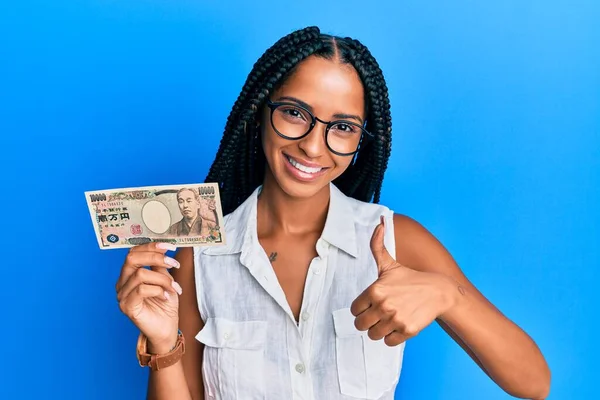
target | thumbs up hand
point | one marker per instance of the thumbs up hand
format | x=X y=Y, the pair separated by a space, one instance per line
x=402 y=301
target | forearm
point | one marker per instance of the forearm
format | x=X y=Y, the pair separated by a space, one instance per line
x=169 y=384
x=506 y=353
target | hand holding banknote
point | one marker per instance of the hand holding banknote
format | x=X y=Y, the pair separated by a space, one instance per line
x=149 y=297
x=151 y=221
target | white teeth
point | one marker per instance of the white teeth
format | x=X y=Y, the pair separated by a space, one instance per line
x=304 y=168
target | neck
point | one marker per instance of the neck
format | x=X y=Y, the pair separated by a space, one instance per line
x=281 y=213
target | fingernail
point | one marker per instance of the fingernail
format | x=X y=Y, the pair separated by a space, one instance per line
x=167 y=295
x=166 y=246
x=172 y=262
x=177 y=288
x=383 y=220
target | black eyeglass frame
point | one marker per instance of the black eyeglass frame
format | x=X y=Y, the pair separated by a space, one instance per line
x=366 y=136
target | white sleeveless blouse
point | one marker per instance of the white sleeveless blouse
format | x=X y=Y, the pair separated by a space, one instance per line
x=254 y=349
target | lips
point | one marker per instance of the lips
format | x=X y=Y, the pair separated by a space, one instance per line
x=303 y=167
x=303 y=170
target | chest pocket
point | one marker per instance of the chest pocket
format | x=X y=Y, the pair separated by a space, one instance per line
x=233 y=361
x=367 y=369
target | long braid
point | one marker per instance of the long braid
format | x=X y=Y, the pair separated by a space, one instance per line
x=364 y=180
x=239 y=165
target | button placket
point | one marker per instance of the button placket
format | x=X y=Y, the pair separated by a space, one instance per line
x=314 y=284
x=298 y=361
x=300 y=368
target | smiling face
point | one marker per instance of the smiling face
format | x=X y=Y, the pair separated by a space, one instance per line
x=331 y=91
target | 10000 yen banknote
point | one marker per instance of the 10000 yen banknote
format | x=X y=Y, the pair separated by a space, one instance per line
x=184 y=215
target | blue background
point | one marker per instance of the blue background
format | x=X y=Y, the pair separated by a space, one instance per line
x=496 y=116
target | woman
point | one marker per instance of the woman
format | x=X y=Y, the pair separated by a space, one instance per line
x=318 y=288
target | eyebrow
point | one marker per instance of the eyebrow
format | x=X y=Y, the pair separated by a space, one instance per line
x=308 y=107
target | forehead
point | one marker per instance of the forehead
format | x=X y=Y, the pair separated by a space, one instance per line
x=327 y=85
x=186 y=193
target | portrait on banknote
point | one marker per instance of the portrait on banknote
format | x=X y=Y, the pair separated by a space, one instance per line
x=197 y=217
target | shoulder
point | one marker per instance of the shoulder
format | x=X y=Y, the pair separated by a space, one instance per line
x=411 y=231
x=418 y=248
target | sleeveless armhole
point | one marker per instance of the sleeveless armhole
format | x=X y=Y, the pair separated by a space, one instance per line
x=390 y=234
x=198 y=281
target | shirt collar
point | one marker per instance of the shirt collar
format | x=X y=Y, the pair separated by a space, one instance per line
x=339 y=230
x=241 y=233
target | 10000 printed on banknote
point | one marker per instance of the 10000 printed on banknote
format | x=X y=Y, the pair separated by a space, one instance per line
x=184 y=215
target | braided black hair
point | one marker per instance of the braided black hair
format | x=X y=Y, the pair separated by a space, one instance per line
x=239 y=166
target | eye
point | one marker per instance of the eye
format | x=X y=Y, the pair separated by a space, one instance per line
x=345 y=128
x=292 y=113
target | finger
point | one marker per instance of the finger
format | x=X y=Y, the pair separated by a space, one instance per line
x=160 y=270
x=161 y=247
x=372 y=296
x=141 y=292
x=147 y=277
x=381 y=329
x=139 y=259
x=367 y=319
x=380 y=253
x=360 y=304
x=395 y=338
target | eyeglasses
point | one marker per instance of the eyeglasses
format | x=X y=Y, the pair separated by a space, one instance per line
x=294 y=122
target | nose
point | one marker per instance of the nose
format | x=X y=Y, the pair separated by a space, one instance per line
x=313 y=145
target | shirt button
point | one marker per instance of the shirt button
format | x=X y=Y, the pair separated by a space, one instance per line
x=317 y=270
x=300 y=368
x=305 y=316
x=226 y=336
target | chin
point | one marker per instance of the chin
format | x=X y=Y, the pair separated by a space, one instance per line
x=301 y=190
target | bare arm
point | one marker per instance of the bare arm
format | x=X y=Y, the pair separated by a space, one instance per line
x=503 y=351
x=182 y=380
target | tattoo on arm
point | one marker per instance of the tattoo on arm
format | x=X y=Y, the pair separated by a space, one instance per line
x=461 y=289
x=273 y=256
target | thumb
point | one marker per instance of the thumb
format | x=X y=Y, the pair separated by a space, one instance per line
x=383 y=259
